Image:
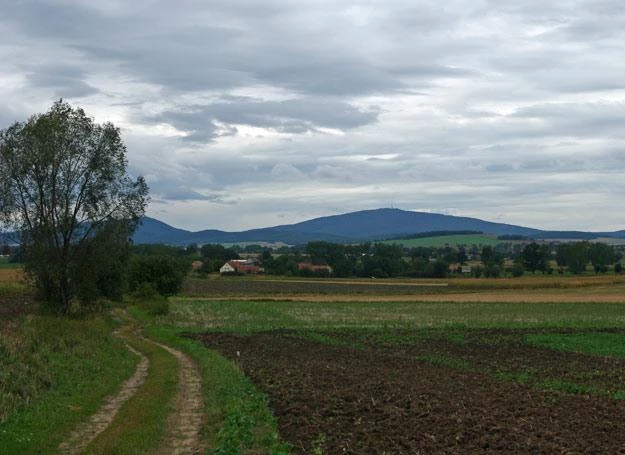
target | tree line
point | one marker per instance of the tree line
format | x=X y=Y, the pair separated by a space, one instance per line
x=383 y=260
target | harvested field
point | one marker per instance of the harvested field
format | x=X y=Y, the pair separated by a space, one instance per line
x=511 y=297
x=380 y=398
x=11 y=275
x=271 y=287
x=530 y=290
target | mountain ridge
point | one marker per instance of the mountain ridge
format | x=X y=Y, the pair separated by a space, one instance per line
x=364 y=225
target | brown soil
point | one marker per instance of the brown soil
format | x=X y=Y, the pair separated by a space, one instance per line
x=481 y=297
x=11 y=275
x=185 y=422
x=382 y=400
x=88 y=431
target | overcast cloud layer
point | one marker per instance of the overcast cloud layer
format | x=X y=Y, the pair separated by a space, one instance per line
x=246 y=114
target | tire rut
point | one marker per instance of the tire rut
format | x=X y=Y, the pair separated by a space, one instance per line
x=185 y=422
x=82 y=436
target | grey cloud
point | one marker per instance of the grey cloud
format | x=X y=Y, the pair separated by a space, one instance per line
x=66 y=81
x=290 y=116
x=186 y=194
x=287 y=173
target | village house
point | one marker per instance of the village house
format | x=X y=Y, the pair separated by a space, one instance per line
x=240 y=266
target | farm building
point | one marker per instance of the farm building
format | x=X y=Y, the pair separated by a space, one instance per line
x=314 y=267
x=240 y=266
x=196 y=265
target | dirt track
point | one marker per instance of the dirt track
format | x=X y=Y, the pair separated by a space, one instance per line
x=88 y=431
x=380 y=400
x=185 y=422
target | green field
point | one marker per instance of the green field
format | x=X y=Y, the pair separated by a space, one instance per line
x=251 y=316
x=447 y=240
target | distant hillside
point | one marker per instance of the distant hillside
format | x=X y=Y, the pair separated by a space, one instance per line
x=350 y=227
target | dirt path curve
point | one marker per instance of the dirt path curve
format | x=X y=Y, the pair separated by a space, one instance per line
x=80 y=438
x=185 y=422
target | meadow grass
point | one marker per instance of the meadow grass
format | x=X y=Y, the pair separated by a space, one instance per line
x=14 y=289
x=602 y=343
x=54 y=373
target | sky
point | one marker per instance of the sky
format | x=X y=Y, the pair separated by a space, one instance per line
x=244 y=114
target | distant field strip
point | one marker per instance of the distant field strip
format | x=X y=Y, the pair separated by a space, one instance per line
x=443 y=240
x=369 y=283
x=482 y=297
x=245 y=316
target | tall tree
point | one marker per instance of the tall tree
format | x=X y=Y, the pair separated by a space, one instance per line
x=601 y=256
x=65 y=187
x=535 y=257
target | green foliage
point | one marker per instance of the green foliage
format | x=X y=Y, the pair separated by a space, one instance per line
x=492 y=271
x=535 y=257
x=518 y=270
x=66 y=189
x=214 y=256
x=574 y=256
x=385 y=260
x=601 y=256
x=149 y=299
x=596 y=343
x=491 y=259
x=165 y=274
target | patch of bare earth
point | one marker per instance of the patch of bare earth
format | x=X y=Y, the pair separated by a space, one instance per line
x=185 y=422
x=362 y=401
x=88 y=431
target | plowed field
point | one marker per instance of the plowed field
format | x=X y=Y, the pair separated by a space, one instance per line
x=382 y=398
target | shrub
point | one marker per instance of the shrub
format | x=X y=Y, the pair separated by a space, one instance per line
x=164 y=273
x=492 y=271
x=518 y=269
x=148 y=298
x=157 y=307
x=618 y=268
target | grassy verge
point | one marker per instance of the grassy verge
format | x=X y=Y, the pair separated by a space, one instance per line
x=13 y=289
x=54 y=373
x=238 y=419
x=140 y=425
